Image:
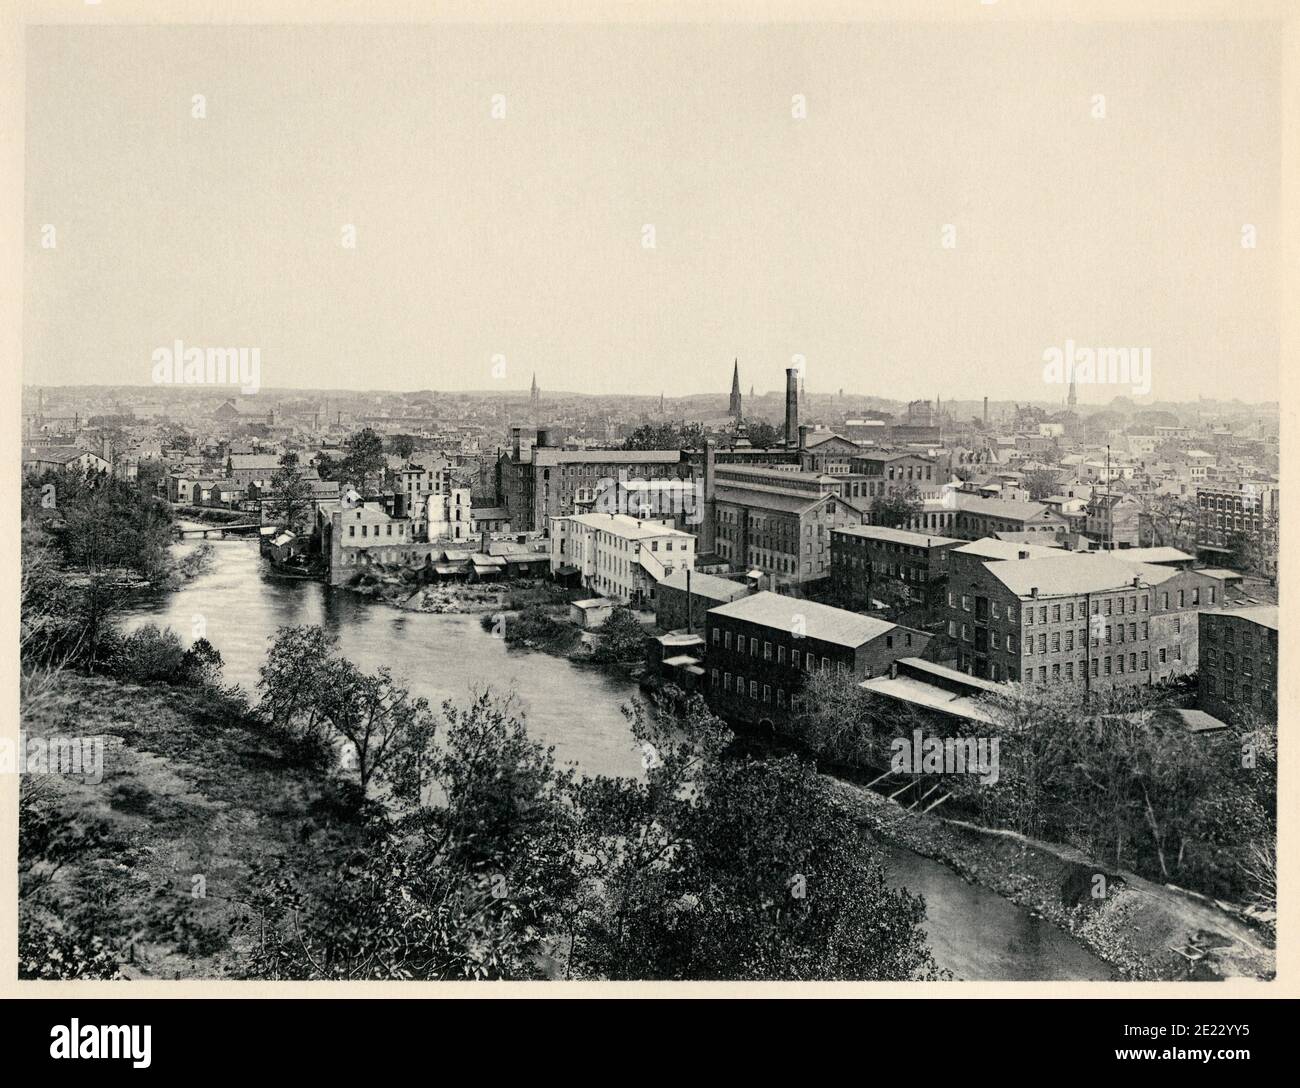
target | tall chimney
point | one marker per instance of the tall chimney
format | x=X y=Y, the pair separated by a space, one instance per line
x=803 y=436
x=986 y=411
x=791 y=406
x=515 y=433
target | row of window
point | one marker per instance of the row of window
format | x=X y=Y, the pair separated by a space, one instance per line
x=755 y=691
x=401 y=529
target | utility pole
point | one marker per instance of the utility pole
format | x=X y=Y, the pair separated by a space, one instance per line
x=1110 y=510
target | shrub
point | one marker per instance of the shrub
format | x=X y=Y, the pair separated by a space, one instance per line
x=149 y=655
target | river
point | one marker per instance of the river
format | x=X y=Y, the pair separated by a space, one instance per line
x=239 y=602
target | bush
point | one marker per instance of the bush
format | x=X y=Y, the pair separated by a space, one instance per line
x=622 y=638
x=148 y=655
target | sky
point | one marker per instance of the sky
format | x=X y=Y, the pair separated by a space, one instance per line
x=955 y=203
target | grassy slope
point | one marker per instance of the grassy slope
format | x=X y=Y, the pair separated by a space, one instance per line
x=194 y=788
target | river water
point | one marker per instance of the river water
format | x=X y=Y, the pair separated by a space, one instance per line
x=239 y=602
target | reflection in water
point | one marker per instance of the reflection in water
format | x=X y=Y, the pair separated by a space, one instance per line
x=239 y=603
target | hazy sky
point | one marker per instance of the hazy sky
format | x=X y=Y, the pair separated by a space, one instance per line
x=774 y=236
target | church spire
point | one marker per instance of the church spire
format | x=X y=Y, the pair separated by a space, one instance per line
x=734 y=407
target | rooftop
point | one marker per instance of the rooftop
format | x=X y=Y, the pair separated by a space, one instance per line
x=816 y=621
x=1151 y=555
x=897 y=536
x=546 y=455
x=629 y=528
x=1072 y=573
x=992 y=548
x=1263 y=614
x=708 y=585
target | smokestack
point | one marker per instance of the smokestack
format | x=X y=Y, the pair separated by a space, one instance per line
x=791 y=406
x=515 y=433
x=986 y=411
x=803 y=436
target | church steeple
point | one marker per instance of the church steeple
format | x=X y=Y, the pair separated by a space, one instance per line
x=1073 y=398
x=734 y=407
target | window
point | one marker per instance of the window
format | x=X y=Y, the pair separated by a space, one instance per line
x=717 y=635
x=767 y=651
x=826 y=664
x=740 y=644
x=726 y=640
x=726 y=681
x=780 y=655
x=753 y=647
x=794 y=658
x=715 y=677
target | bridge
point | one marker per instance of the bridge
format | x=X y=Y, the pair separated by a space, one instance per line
x=218 y=532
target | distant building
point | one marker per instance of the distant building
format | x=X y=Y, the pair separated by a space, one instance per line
x=777 y=521
x=355 y=538
x=761 y=648
x=1086 y=619
x=1237 y=682
x=539 y=482
x=1247 y=512
x=970 y=517
x=706 y=591
x=871 y=556
x=619 y=556
x=1112 y=520
x=40 y=459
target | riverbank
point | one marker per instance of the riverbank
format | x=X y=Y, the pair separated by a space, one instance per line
x=1136 y=927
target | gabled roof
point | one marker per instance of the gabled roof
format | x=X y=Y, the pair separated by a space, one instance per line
x=813 y=620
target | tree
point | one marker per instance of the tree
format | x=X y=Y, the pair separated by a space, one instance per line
x=363 y=458
x=666 y=436
x=762 y=434
x=470 y=886
x=387 y=730
x=402 y=445
x=621 y=638
x=309 y=691
x=721 y=868
x=897 y=508
x=1040 y=483
x=291 y=504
